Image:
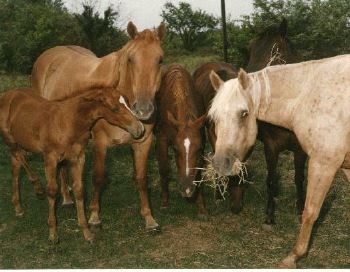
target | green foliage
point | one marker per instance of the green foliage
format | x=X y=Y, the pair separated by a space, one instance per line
x=27 y=28
x=317 y=28
x=192 y=27
x=100 y=34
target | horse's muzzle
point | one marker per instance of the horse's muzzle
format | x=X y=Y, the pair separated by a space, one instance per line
x=137 y=131
x=223 y=165
x=143 y=110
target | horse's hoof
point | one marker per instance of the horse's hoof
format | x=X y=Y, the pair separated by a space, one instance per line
x=164 y=207
x=54 y=240
x=236 y=210
x=20 y=214
x=67 y=204
x=203 y=217
x=154 y=230
x=40 y=195
x=288 y=263
x=95 y=227
x=267 y=227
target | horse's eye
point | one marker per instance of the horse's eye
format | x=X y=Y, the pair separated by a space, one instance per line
x=129 y=60
x=244 y=113
x=160 y=61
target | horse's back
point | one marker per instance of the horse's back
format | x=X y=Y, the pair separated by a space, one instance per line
x=54 y=70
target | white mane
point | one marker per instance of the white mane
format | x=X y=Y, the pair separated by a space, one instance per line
x=231 y=91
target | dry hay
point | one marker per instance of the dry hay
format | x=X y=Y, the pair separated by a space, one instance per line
x=218 y=182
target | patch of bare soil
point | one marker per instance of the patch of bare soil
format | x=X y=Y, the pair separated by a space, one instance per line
x=184 y=239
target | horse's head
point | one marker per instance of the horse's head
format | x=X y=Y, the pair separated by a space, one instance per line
x=271 y=47
x=233 y=113
x=113 y=107
x=142 y=68
x=188 y=147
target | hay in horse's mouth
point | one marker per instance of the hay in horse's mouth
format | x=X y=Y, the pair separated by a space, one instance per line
x=218 y=182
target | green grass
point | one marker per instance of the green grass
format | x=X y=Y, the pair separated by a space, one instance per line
x=223 y=241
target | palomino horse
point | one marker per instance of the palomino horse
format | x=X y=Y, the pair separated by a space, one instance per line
x=312 y=99
x=63 y=138
x=179 y=126
x=205 y=93
x=271 y=47
x=136 y=71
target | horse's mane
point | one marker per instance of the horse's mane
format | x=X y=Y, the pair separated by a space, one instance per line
x=221 y=103
x=180 y=82
x=147 y=35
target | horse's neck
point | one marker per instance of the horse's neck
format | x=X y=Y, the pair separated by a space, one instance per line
x=106 y=72
x=279 y=96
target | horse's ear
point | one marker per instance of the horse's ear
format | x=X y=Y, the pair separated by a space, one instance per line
x=199 y=121
x=283 y=27
x=173 y=120
x=132 y=30
x=161 y=31
x=243 y=78
x=215 y=80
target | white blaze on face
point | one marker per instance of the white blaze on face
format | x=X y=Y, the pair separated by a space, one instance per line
x=187 y=144
x=123 y=102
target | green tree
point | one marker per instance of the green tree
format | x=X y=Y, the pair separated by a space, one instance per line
x=101 y=35
x=27 y=28
x=192 y=26
x=317 y=28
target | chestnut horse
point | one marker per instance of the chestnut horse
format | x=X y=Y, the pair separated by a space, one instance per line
x=179 y=126
x=271 y=45
x=312 y=99
x=60 y=131
x=136 y=71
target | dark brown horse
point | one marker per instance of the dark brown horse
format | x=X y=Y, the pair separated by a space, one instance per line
x=135 y=70
x=271 y=47
x=179 y=126
x=59 y=130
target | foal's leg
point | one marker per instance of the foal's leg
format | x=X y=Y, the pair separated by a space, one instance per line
x=50 y=172
x=320 y=177
x=202 y=210
x=271 y=157
x=33 y=178
x=299 y=165
x=141 y=151
x=67 y=200
x=76 y=172
x=163 y=163
x=236 y=191
x=16 y=200
x=99 y=157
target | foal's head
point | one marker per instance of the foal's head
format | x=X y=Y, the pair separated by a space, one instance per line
x=188 y=147
x=110 y=105
x=143 y=58
x=233 y=112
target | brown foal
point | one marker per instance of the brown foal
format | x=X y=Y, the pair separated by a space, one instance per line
x=60 y=131
x=180 y=127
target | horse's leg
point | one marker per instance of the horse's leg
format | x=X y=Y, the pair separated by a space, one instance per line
x=67 y=200
x=299 y=165
x=320 y=177
x=16 y=167
x=140 y=155
x=99 y=157
x=33 y=178
x=200 y=201
x=163 y=164
x=236 y=190
x=271 y=157
x=76 y=172
x=50 y=172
